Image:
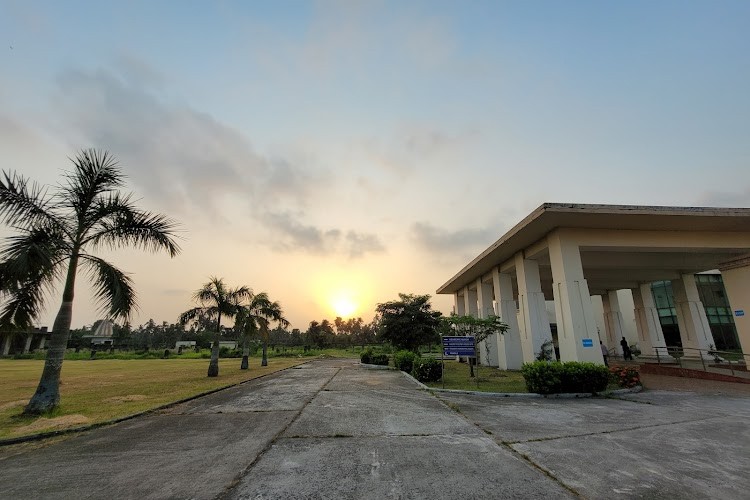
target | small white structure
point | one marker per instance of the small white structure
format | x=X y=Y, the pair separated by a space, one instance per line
x=184 y=344
x=102 y=335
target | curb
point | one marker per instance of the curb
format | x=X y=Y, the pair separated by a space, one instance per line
x=376 y=367
x=74 y=430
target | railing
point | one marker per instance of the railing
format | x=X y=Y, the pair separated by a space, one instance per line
x=716 y=359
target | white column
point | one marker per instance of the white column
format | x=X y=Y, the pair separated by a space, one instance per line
x=736 y=279
x=612 y=321
x=488 y=348
x=509 y=350
x=459 y=305
x=576 y=327
x=27 y=345
x=6 y=343
x=691 y=316
x=647 y=322
x=42 y=342
x=535 y=328
x=470 y=301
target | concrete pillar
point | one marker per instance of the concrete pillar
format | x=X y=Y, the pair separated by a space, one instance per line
x=459 y=306
x=470 y=301
x=488 y=348
x=612 y=321
x=6 y=343
x=27 y=344
x=534 y=325
x=509 y=350
x=576 y=327
x=737 y=285
x=650 y=335
x=691 y=316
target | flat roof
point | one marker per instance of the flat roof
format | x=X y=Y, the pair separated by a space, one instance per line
x=550 y=216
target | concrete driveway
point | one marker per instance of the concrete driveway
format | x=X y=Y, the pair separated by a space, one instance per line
x=332 y=429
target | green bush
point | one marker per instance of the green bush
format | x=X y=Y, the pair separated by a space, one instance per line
x=379 y=359
x=543 y=377
x=404 y=360
x=366 y=356
x=427 y=369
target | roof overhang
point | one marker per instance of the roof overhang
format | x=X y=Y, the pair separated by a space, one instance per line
x=550 y=216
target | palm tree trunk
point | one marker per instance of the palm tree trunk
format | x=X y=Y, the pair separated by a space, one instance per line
x=264 y=360
x=47 y=395
x=213 y=365
x=245 y=354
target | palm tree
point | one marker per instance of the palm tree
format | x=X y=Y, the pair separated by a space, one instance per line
x=57 y=232
x=215 y=300
x=256 y=318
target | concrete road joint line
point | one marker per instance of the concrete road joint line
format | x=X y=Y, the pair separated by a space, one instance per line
x=541 y=469
x=84 y=428
x=614 y=431
x=503 y=445
x=236 y=481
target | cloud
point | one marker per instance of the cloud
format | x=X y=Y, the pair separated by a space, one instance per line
x=360 y=244
x=292 y=235
x=176 y=153
x=441 y=241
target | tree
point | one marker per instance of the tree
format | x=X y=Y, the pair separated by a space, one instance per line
x=57 y=233
x=215 y=300
x=255 y=318
x=408 y=323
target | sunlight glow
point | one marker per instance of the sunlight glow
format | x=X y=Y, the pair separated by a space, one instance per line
x=343 y=306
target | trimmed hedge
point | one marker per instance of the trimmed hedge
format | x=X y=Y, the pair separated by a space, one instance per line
x=427 y=369
x=404 y=360
x=370 y=358
x=543 y=377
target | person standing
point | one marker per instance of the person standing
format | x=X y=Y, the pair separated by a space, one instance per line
x=605 y=352
x=626 y=352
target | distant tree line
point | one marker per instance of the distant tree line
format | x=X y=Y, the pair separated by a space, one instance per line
x=151 y=335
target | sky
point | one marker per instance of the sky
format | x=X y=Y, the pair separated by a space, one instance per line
x=342 y=152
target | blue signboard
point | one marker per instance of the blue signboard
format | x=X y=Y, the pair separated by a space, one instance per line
x=739 y=312
x=588 y=342
x=459 y=346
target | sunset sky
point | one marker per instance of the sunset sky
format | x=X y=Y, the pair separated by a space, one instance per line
x=347 y=151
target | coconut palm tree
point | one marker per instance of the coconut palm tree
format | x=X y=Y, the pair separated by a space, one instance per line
x=255 y=318
x=57 y=233
x=216 y=300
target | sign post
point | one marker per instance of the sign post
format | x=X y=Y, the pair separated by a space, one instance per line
x=459 y=346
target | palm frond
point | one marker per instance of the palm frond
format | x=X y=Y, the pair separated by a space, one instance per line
x=115 y=221
x=24 y=203
x=195 y=313
x=95 y=173
x=23 y=299
x=113 y=289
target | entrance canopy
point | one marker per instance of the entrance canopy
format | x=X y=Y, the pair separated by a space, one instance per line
x=569 y=252
x=621 y=246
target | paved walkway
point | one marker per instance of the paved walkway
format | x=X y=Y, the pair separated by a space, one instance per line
x=332 y=429
x=326 y=429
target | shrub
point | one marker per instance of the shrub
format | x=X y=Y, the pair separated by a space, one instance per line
x=404 y=360
x=550 y=378
x=379 y=359
x=427 y=369
x=584 y=377
x=542 y=377
x=366 y=356
x=625 y=376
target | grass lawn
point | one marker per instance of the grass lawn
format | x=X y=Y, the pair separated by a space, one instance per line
x=100 y=390
x=490 y=379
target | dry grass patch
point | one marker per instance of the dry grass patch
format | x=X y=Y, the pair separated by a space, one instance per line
x=102 y=390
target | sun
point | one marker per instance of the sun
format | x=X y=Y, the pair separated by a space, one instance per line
x=343 y=305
